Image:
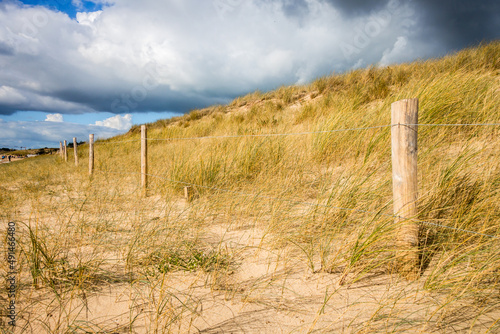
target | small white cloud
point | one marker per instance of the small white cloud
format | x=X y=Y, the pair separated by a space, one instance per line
x=87 y=18
x=77 y=3
x=49 y=134
x=54 y=118
x=117 y=122
x=397 y=54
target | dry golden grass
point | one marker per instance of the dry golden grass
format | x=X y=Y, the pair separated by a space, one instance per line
x=247 y=255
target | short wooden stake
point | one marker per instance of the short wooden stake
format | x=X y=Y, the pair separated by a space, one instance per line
x=144 y=159
x=91 y=154
x=188 y=193
x=75 y=150
x=65 y=151
x=404 y=115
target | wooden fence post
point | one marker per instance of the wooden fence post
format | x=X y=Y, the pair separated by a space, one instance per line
x=188 y=193
x=75 y=150
x=91 y=154
x=404 y=183
x=61 y=152
x=66 y=151
x=144 y=159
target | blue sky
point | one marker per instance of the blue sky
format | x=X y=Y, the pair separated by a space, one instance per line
x=74 y=67
x=67 y=6
x=23 y=120
x=89 y=118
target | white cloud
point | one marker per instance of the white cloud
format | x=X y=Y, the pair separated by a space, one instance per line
x=398 y=53
x=176 y=55
x=54 y=118
x=117 y=122
x=42 y=134
x=87 y=18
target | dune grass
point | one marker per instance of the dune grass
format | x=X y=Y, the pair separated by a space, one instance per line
x=321 y=203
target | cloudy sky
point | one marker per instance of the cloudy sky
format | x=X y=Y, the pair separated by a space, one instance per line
x=73 y=67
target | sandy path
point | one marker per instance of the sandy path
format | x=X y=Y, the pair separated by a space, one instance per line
x=266 y=290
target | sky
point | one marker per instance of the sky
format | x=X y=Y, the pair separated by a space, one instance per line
x=69 y=68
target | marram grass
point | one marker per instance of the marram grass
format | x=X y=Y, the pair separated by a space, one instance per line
x=81 y=237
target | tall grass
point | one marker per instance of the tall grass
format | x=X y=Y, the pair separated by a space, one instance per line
x=83 y=236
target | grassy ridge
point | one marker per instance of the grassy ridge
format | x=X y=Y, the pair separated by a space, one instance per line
x=74 y=223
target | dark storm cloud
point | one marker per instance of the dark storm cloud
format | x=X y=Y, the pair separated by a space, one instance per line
x=5 y=49
x=295 y=8
x=140 y=56
x=117 y=102
x=135 y=99
x=100 y=63
x=11 y=109
x=357 y=7
x=459 y=23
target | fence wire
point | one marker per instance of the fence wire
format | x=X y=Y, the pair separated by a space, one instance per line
x=295 y=133
x=317 y=132
x=451 y=125
x=271 y=134
x=305 y=203
x=116 y=142
x=298 y=134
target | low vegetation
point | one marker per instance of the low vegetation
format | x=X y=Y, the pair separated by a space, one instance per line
x=284 y=233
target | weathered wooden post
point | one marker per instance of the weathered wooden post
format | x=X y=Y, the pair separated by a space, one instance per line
x=66 y=151
x=404 y=115
x=75 y=150
x=61 y=152
x=144 y=159
x=91 y=154
x=188 y=193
